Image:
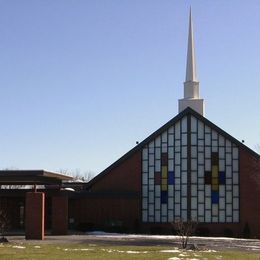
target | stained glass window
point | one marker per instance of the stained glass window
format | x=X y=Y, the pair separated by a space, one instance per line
x=196 y=179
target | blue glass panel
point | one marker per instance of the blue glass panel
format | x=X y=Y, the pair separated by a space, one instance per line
x=214 y=196
x=164 y=197
x=222 y=178
x=170 y=177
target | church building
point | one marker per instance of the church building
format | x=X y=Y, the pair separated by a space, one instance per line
x=189 y=169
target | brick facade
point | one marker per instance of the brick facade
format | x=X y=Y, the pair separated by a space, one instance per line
x=35 y=213
x=126 y=176
x=250 y=192
x=59 y=215
x=112 y=200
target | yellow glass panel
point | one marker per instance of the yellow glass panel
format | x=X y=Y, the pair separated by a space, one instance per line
x=164 y=186
x=215 y=171
x=164 y=181
x=164 y=171
x=214 y=181
x=214 y=187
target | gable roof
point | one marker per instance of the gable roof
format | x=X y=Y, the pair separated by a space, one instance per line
x=187 y=111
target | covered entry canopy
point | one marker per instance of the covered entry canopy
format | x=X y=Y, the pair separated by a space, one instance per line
x=35 y=201
x=31 y=177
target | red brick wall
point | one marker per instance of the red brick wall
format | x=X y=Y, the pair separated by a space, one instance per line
x=125 y=177
x=122 y=207
x=59 y=215
x=102 y=211
x=34 y=215
x=250 y=192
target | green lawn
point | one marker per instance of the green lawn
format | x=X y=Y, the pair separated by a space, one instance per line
x=89 y=251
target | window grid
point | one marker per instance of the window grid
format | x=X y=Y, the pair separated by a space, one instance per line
x=188 y=147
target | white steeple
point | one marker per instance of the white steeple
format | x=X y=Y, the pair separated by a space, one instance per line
x=191 y=62
x=191 y=85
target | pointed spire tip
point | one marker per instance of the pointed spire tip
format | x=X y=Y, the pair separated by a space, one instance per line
x=191 y=62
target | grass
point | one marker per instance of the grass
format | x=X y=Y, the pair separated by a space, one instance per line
x=91 y=251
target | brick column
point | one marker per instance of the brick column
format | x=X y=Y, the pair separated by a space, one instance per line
x=60 y=214
x=34 y=215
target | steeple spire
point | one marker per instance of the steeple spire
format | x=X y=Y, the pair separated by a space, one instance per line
x=191 y=62
x=191 y=85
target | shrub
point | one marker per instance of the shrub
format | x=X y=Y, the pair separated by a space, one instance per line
x=184 y=230
x=4 y=224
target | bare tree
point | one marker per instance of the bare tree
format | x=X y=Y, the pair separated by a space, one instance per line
x=78 y=175
x=4 y=225
x=184 y=230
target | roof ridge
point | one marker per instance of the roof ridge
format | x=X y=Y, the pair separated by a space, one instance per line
x=179 y=116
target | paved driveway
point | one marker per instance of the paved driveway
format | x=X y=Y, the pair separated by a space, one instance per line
x=148 y=240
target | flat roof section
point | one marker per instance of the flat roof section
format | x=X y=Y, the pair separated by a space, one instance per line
x=31 y=177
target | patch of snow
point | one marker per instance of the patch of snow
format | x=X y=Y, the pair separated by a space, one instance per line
x=37 y=247
x=256 y=247
x=170 y=251
x=110 y=250
x=78 y=249
x=19 y=247
x=174 y=258
x=209 y=251
x=136 y=252
x=183 y=255
x=223 y=238
x=121 y=251
x=127 y=236
x=69 y=189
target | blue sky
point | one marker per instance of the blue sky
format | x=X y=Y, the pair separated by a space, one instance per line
x=82 y=81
